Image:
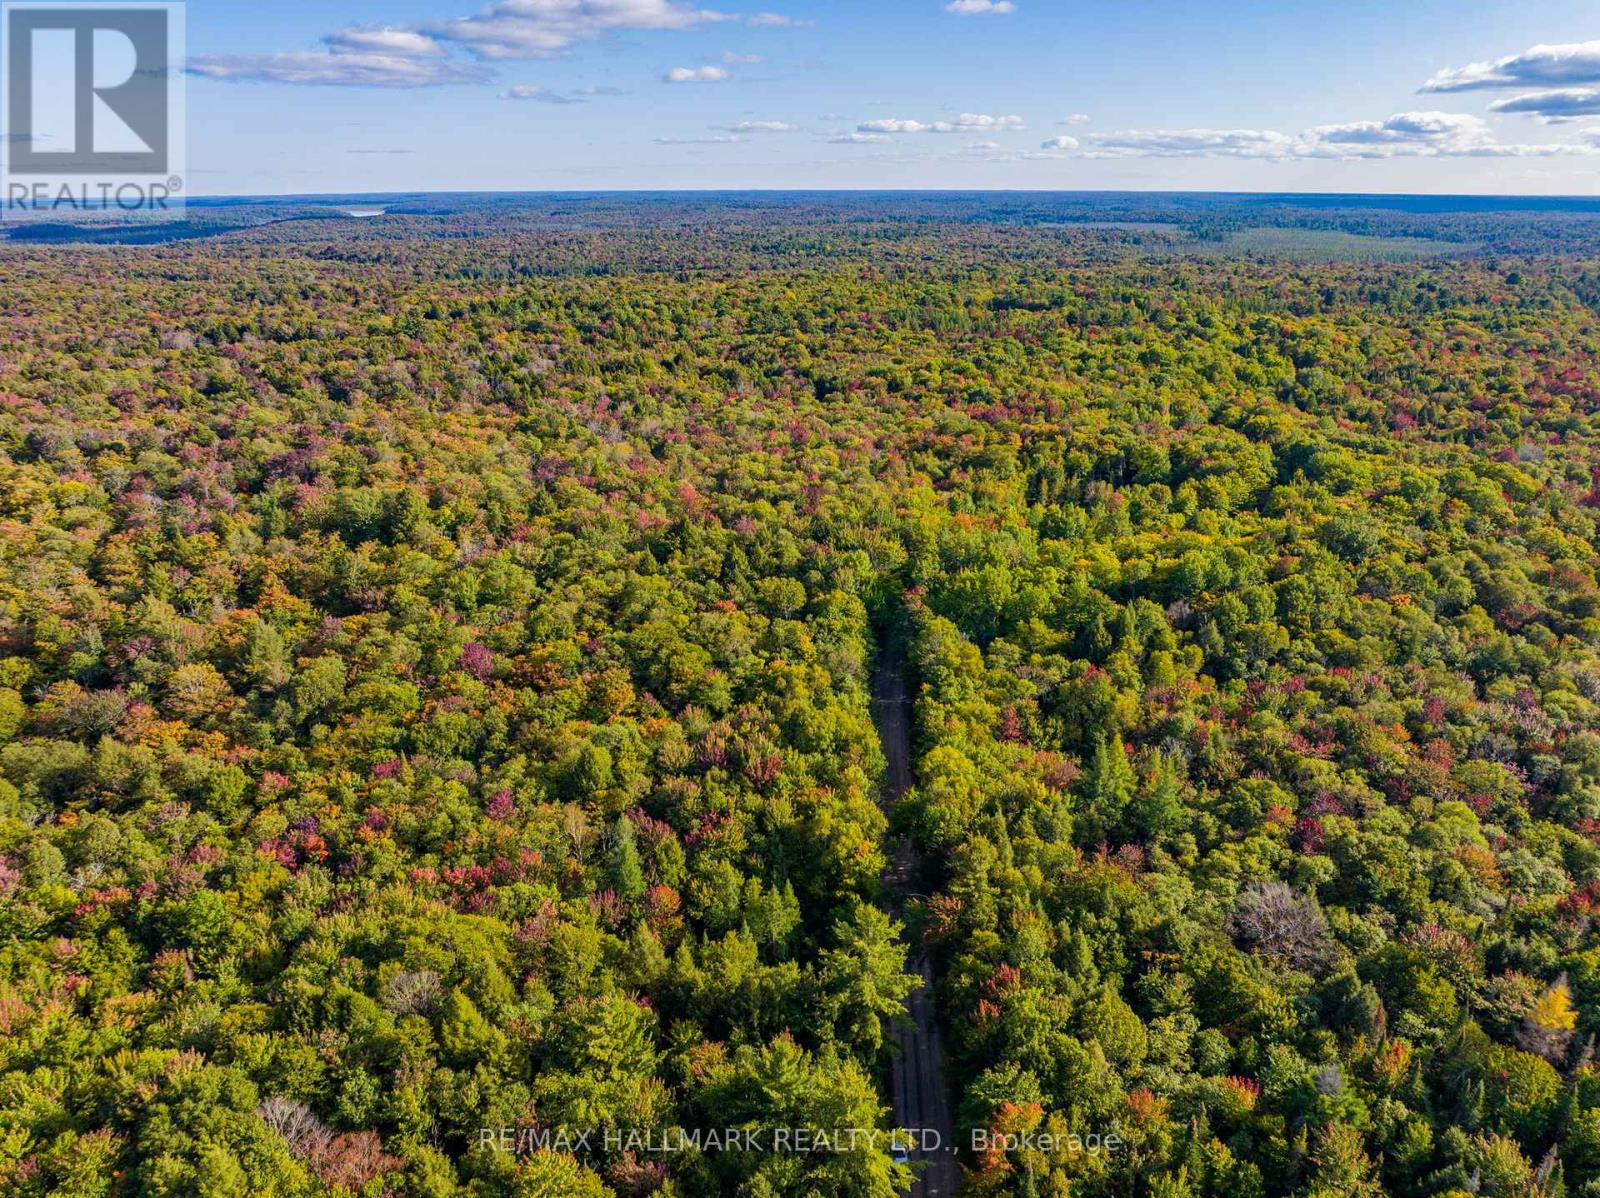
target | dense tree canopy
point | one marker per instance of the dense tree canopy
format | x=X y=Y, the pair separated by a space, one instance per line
x=434 y=700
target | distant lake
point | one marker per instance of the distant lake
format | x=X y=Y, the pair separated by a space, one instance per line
x=364 y=211
x=1137 y=226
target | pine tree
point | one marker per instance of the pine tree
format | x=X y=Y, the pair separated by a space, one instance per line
x=627 y=874
x=1159 y=810
x=1110 y=789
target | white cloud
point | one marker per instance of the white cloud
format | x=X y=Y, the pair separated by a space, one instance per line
x=778 y=20
x=1591 y=136
x=1553 y=107
x=1447 y=129
x=385 y=40
x=504 y=30
x=978 y=120
x=1192 y=143
x=509 y=29
x=1403 y=135
x=700 y=141
x=540 y=95
x=892 y=125
x=326 y=69
x=598 y=91
x=980 y=8
x=759 y=127
x=742 y=60
x=860 y=139
x=1498 y=150
x=1077 y=118
x=1538 y=66
x=1060 y=143
x=967 y=122
x=695 y=75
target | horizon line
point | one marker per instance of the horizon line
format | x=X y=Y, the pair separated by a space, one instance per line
x=908 y=191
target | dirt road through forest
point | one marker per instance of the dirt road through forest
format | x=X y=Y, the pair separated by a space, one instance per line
x=921 y=1098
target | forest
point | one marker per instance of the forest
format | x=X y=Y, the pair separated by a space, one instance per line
x=435 y=700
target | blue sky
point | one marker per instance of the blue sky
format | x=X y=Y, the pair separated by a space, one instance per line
x=1491 y=96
